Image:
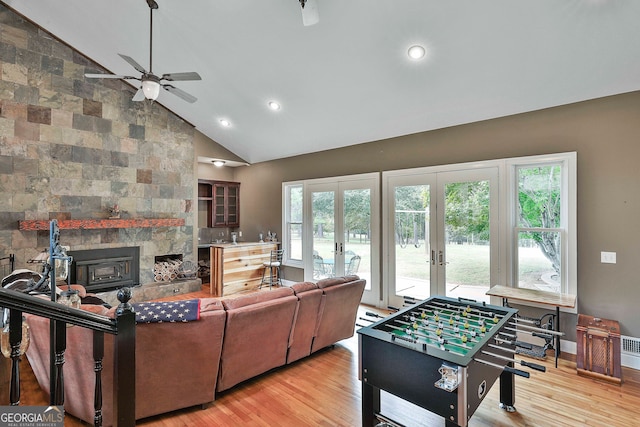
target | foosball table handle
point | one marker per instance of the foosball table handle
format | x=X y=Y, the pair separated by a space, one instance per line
x=372 y=314
x=518 y=372
x=523 y=344
x=534 y=366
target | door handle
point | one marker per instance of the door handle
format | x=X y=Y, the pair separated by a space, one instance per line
x=441 y=260
x=433 y=257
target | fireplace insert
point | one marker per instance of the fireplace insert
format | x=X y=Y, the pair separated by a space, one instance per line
x=100 y=270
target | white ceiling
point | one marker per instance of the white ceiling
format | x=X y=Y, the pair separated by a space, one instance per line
x=347 y=79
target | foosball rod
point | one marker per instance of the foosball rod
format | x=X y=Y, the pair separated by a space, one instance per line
x=520 y=361
x=395 y=328
x=451 y=307
x=466 y=347
x=535 y=328
x=521 y=344
x=481 y=314
x=508 y=369
x=448 y=316
x=402 y=322
x=532 y=333
x=471 y=334
x=372 y=314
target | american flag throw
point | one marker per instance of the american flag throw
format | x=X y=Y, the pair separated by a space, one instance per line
x=169 y=311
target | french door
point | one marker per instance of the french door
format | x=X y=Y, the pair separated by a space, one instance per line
x=441 y=231
x=344 y=233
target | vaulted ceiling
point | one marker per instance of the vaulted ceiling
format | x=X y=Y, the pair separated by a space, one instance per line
x=348 y=79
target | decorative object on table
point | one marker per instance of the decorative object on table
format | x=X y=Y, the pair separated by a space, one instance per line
x=234 y=238
x=261 y=238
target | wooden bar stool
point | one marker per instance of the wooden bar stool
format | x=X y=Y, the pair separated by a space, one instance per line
x=273 y=265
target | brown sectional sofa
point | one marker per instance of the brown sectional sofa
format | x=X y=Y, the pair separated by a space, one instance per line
x=183 y=364
x=256 y=336
x=170 y=361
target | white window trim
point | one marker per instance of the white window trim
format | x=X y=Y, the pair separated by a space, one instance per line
x=569 y=261
x=287 y=261
x=507 y=186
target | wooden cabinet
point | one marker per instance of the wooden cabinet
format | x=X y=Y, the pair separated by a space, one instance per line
x=218 y=204
x=226 y=204
x=237 y=268
x=598 y=348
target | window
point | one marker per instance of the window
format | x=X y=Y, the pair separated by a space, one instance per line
x=543 y=222
x=292 y=229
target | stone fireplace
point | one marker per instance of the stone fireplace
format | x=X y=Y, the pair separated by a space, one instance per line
x=100 y=270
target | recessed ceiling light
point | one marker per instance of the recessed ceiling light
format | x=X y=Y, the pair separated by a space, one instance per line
x=225 y=122
x=274 y=105
x=219 y=163
x=416 y=52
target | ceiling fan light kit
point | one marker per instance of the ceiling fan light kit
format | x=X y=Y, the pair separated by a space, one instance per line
x=310 y=14
x=150 y=83
x=151 y=89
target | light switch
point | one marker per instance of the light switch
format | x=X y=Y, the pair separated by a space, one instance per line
x=608 y=257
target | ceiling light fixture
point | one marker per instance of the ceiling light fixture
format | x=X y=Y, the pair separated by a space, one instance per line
x=151 y=89
x=218 y=163
x=273 y=105
x=225 y=122
x=416 y=52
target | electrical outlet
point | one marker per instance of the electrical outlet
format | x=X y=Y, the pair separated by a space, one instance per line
x=608 y=257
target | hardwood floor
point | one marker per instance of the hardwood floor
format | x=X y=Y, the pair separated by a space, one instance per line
x=323 y=390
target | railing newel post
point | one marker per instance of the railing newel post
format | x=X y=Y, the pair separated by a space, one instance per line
x=124 y=388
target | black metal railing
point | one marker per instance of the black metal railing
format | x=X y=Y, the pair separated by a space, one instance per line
x=123 y=327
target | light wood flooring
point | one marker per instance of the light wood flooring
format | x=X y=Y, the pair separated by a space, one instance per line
x=323 y=390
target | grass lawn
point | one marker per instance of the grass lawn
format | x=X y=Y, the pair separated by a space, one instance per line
x=468 y=264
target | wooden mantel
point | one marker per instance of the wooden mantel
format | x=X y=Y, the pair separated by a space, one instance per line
x=93 y=224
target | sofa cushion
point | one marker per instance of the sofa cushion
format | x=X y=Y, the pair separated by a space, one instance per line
x=255 y=298
x=306 y=320
x=338 y=310
x=333 y=281
x=303 y=287
x=256 y=336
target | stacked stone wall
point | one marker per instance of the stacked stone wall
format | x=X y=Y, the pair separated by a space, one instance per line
x=72 y=148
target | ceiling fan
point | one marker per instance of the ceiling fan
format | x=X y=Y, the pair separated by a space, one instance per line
x=310 y=14
x=151 y=83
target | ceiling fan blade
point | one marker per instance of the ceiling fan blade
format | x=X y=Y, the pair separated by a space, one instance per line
x=108 y=76
x=133 y=63
x=179 y=92
x=310 y=14
x=139 y=96
x=181 y=76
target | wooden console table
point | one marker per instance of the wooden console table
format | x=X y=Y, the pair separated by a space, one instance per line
x=539 y=297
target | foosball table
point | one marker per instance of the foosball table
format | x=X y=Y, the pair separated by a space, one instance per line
x=442 y=354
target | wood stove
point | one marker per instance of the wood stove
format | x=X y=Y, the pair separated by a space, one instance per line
x=100 y=270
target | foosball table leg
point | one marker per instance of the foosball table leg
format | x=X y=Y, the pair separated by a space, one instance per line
x=507 y=391
x=370 y=404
